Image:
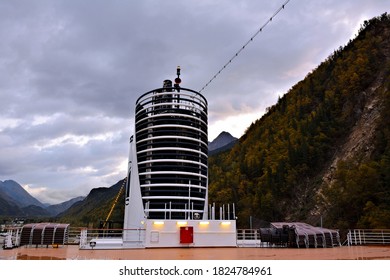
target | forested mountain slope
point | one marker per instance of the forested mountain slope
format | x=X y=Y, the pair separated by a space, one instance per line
x=324 y=149
x=96 y=207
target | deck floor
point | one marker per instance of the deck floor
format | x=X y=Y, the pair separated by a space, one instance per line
x=72 y=252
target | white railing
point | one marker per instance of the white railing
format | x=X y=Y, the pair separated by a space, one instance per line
x=368 y=237
x=111 y=238
x=87 y=235
x=248 y=238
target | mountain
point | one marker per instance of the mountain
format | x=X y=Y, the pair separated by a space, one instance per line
x=15 y=193
x=96 y=206
x=16 y=201
x=56 y=209
x=222 y=142
x=34 y=211
x=322 y=153
x=8 y=208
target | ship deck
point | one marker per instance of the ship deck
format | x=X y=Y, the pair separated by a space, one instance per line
x=72 y=252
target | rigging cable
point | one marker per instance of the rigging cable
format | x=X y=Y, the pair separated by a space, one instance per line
x=243 y=47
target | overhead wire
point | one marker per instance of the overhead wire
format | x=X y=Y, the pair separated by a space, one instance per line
x=247 y=43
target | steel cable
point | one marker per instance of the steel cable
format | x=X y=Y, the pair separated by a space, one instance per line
x=243 y=47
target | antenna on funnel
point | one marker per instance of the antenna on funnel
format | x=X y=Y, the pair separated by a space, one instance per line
x=178 y=80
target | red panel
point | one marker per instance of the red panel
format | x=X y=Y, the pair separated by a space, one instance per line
x=186 y=235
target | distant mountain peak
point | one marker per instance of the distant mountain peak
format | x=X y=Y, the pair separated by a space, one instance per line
x=225 y=134
x=18 y=194
x=222 y=140
x=15 y=200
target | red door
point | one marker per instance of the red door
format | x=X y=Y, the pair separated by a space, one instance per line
x=186 y=235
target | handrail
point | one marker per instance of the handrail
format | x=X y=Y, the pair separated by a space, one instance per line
x=248 y=234
x=368 y=237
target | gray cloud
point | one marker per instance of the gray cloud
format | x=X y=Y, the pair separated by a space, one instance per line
x=71 y=72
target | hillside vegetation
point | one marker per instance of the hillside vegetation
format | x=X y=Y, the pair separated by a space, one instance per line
x=95 y=208
x=323 y=151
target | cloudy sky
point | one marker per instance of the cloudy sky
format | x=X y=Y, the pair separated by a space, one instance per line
x=70 y=72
